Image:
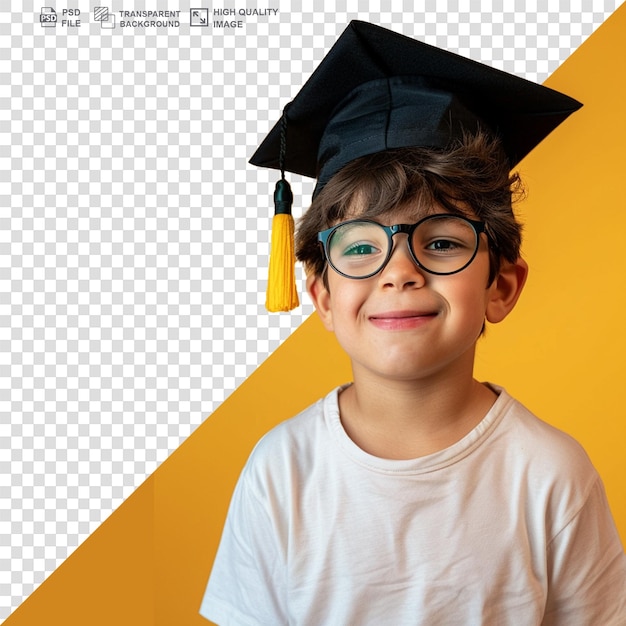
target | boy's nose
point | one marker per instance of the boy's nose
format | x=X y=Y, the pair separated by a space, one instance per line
x=401 y=271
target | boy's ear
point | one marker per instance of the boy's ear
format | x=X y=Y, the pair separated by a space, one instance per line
x=321 y=299
x=506 y=289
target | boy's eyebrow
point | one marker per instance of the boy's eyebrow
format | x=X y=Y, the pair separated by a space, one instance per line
x=348 y=227
x=416 y=213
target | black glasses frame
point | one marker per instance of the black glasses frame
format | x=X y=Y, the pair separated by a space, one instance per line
x=324 y=237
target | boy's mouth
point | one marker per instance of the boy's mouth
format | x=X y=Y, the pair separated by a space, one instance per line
x=401 y=320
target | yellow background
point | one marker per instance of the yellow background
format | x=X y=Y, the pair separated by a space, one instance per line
x=561 y=352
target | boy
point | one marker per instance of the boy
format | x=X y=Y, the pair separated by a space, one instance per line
x=415 y=494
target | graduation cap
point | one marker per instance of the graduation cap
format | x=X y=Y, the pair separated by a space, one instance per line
x=377 y=90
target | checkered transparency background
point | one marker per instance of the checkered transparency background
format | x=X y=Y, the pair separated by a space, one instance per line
x=134 y=236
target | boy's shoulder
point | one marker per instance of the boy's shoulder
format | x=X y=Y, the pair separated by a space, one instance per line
x=512 y=455
x=538 y=439
x=546 y=456
x=509 y=431
x=288 y=454
x=292 y=437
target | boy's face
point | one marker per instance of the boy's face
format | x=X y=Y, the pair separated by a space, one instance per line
x=406 y=324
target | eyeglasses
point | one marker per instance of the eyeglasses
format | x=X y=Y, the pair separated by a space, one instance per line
x=439 y=244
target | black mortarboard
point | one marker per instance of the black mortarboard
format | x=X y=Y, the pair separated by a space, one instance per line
x=376 y=90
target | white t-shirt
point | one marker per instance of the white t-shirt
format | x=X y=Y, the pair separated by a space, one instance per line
x=509 y=526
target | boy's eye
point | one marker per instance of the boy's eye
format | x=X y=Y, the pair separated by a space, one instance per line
x=444 y=245
x=360 y=249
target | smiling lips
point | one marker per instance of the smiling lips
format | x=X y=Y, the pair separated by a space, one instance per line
x=401 y=320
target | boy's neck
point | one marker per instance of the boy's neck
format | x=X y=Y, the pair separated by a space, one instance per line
x=404 y=420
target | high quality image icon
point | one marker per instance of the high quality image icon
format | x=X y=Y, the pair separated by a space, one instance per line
x=199 y=17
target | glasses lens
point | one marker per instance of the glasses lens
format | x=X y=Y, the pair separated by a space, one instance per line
x=444 y=244
x=358 y=249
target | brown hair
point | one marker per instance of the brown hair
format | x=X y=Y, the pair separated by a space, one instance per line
x=472 y=176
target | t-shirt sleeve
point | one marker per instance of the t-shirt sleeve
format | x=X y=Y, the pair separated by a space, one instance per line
x=587 y=568
x=246 y=585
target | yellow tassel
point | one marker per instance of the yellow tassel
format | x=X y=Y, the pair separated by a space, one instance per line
x=282 y=294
